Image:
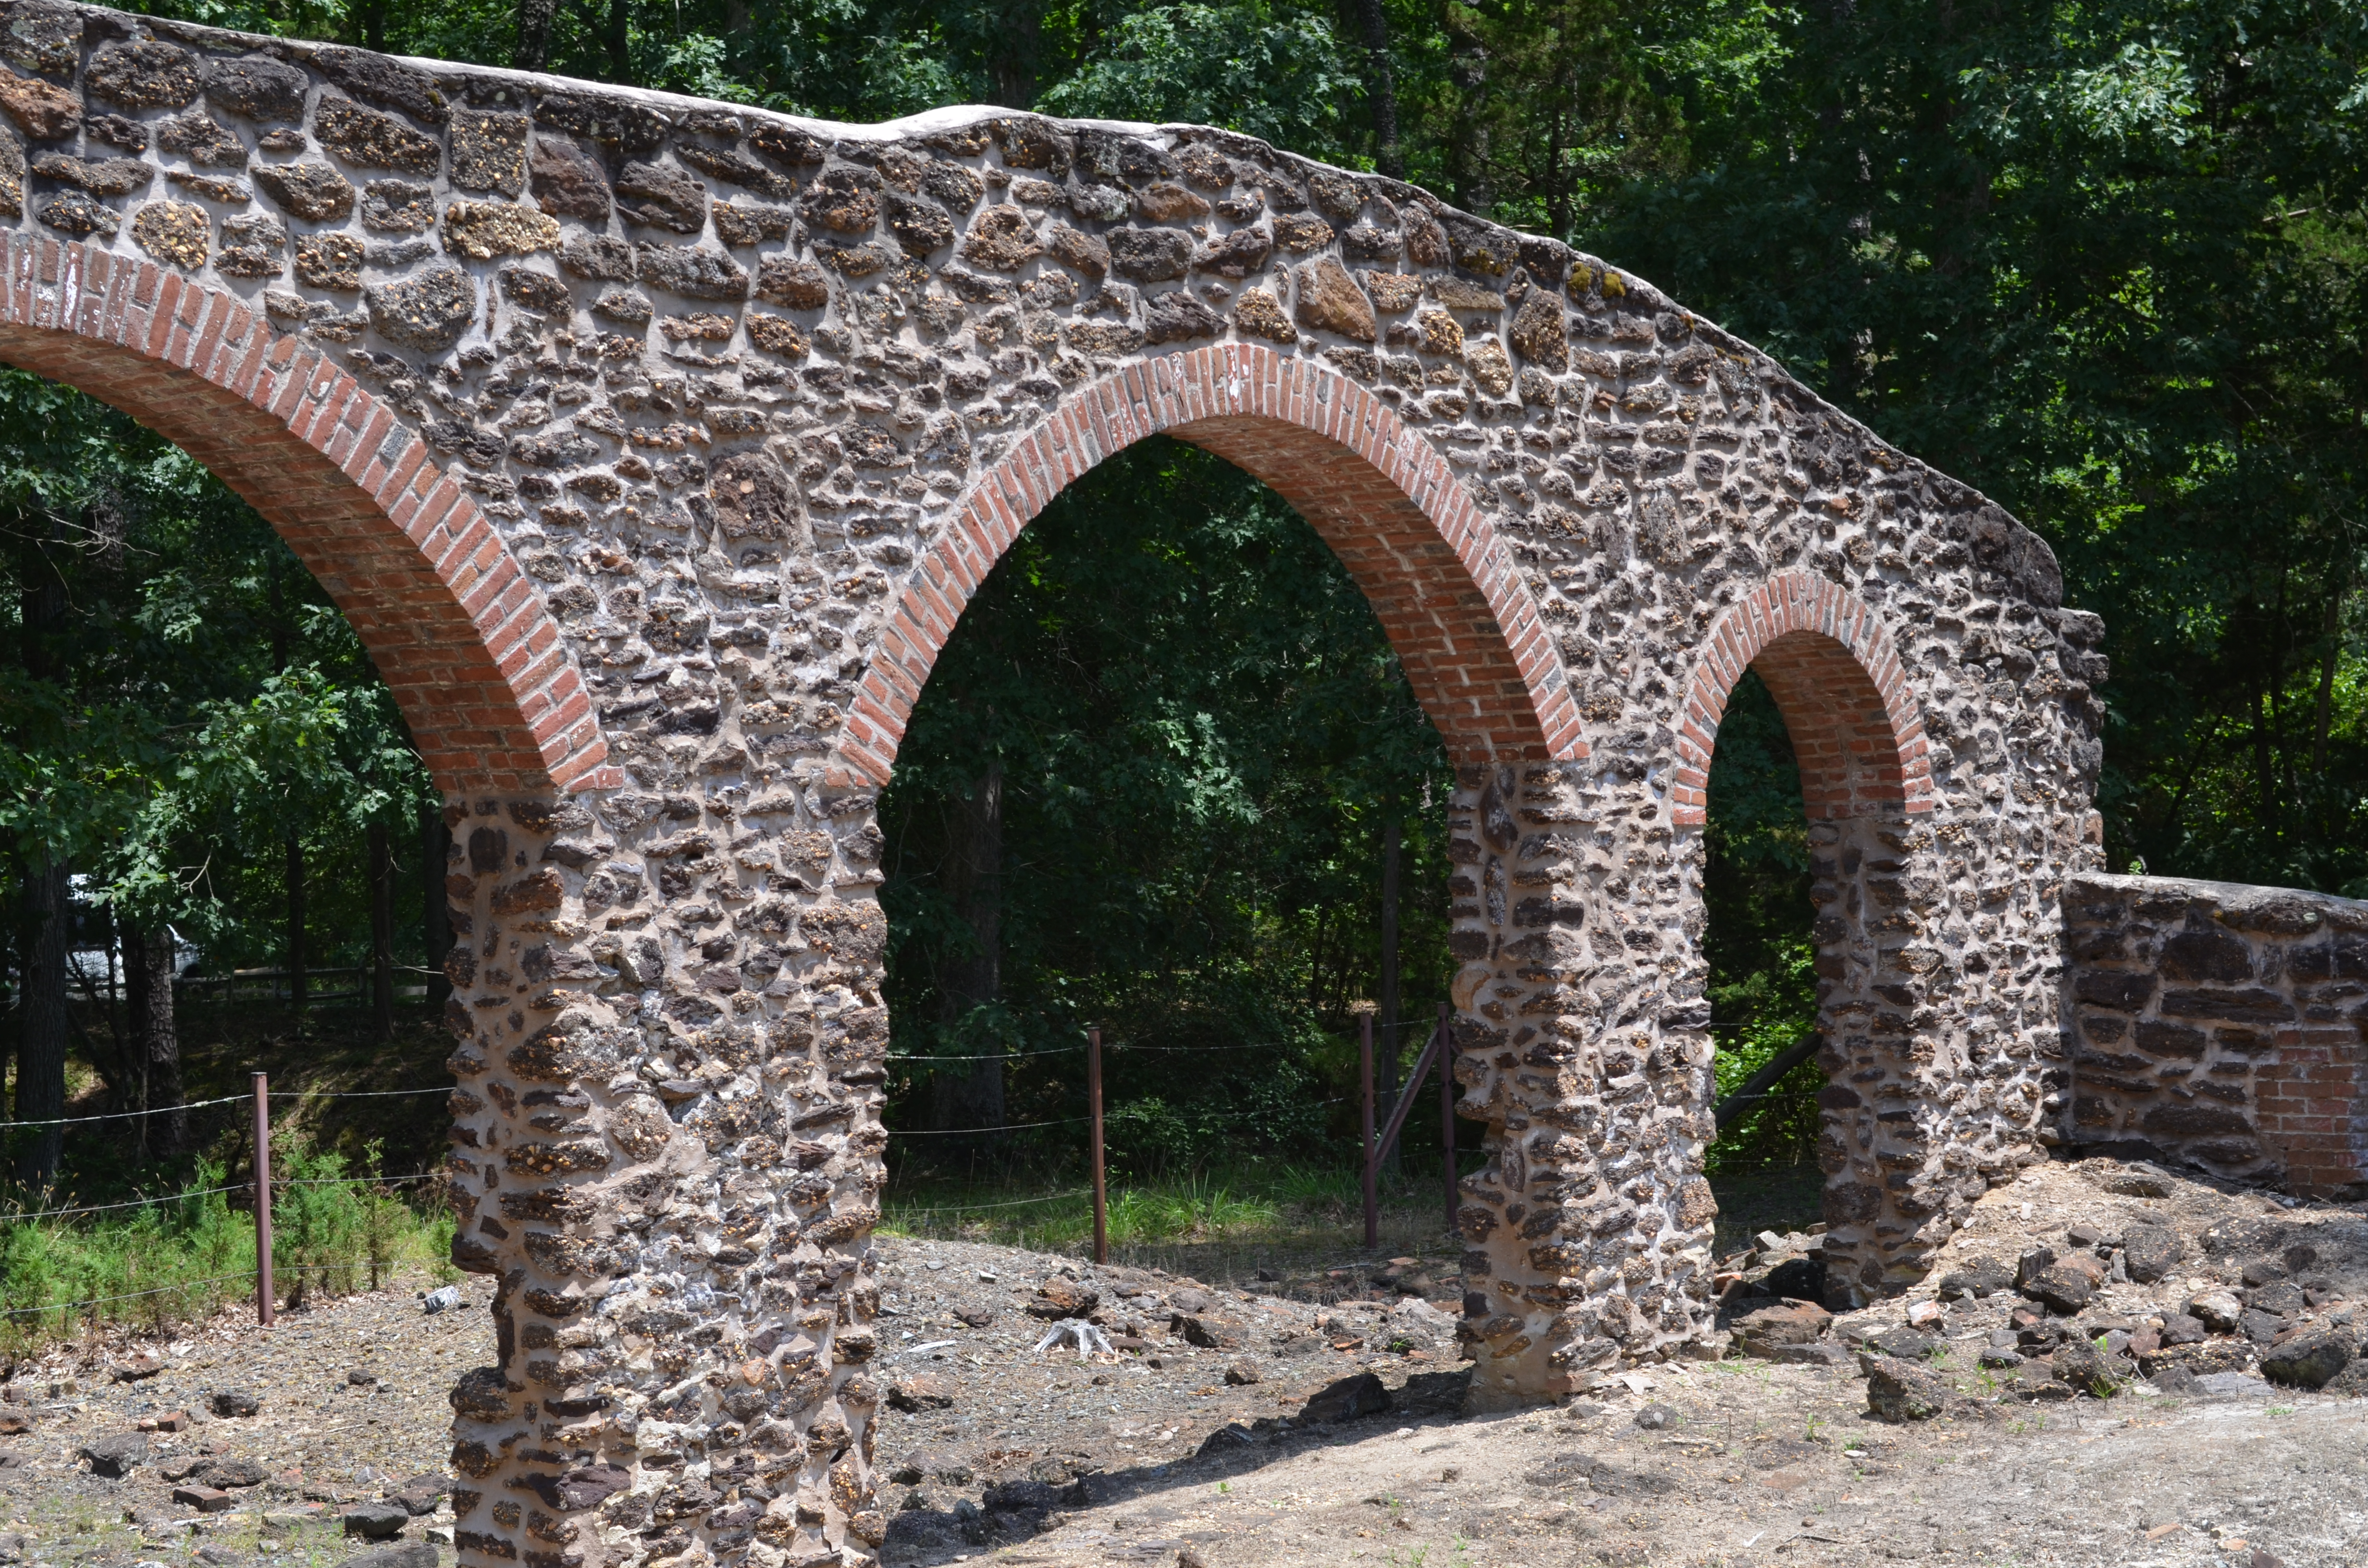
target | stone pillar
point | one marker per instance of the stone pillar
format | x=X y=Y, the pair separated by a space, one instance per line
x=1581 y=1045
x=667 y=1155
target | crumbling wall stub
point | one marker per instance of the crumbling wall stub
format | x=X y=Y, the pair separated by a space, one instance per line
x=736 y=411
x=2220 y=1025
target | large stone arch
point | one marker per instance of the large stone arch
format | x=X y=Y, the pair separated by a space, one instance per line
x=1464 y=624
x=738 y=406
x=451 y=621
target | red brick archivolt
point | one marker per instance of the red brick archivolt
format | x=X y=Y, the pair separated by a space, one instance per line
x=453 y=624
x=1837 y=681
x=1456 y=611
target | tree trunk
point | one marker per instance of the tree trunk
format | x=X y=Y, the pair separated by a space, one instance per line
x=1386 y=1065
x=42 y=1060
x=1015 y=67
x=974 y=1097
x=296 y=997
x=532 y=52
x=381 y=915
x=149 y=960
x=1380 y=88
x=436 y=915
x=618 y=39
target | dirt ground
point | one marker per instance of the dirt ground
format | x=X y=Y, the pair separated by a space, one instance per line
x=1193 y=1441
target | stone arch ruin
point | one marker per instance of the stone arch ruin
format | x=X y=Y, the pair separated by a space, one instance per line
x=655 y=445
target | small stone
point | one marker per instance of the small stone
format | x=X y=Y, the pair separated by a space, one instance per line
x=567 y=181
x=1656 y=1417
x=331 y=260
x=114 y=1457
x=100 y=176
x=148 y=74
x=428 y=312
x=204 y=1499
x=1243 y=1373
x=488 y=151
x=794 y=285
x=657 y=197
x=695 y=272
x=213 y=187
x=43 y=37
x=2178 y=1328
x=43 y=111
x=203 y=140
x=1925 y=1314
x=1235 y=255
x=2217 y=1310
x=1301 y=232
x=257 y=89
x=312 y=191
x=2309 y=1360
x=1332 y=302
x=410 y=1554
x=1076 y=250
x=920 y=1391
x=2066 y=1287
x=1061 y=1297
x=1787 y=1322
x=483 y=230
x=420 y=1495
x=174 y=232
x=1258 y=312
x=1347 y=1400
x=376 y=1521
x=1537 y=331
x=1146 y=256
x=1176 y=316
x=231 y=1473
x=2085 y=1369
x=253 y=246
x=1897 y=1392
x=373 y=139
x=72 y=213
x=778 y=335
x=2258 y=1327
x=746 y=223
x=1166 y=203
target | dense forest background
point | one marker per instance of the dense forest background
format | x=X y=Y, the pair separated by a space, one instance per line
x=2101 y=260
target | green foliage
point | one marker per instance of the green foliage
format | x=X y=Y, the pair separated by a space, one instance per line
x=1763 y=987
x=1201 y=731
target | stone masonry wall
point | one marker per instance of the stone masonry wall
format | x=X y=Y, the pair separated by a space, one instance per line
x=654 y=446
x=2222 y=1024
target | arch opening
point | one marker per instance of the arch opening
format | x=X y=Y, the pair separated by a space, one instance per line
x=1812 y=684
x=1152 y=785
x=452 y=621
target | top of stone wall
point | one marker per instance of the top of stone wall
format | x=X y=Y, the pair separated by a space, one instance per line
x=2240 y=906
x=631 y=122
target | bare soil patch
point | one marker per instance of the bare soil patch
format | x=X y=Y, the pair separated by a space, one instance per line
x=1227 y=1424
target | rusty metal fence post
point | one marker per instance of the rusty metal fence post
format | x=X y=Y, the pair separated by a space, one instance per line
x=1446 y=1109
x=1094 y=1099
x=263 y=1199
x=1365 y=1071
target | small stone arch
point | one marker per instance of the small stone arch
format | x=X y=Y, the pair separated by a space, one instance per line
x=1837 y=677
x=1464 y=624
x=453 y=623
x=1835 y=673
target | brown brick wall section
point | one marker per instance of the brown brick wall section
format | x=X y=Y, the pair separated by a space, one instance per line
x=458 y=631
x=1461 y=620
x=2222 y=1024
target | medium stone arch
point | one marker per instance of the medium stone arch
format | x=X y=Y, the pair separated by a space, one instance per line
x=1837 y=679
x=454 y=625
x=1464 y=624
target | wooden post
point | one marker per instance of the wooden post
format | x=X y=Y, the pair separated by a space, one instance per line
x=263 y=1199
x=1365 y=1072
x=1446 y=1109
x=1094 y=1101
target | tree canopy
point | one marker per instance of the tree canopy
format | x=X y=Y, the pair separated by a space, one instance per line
x=2101 y=261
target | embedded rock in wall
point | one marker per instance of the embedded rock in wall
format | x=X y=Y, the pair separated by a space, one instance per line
x=654 y=446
